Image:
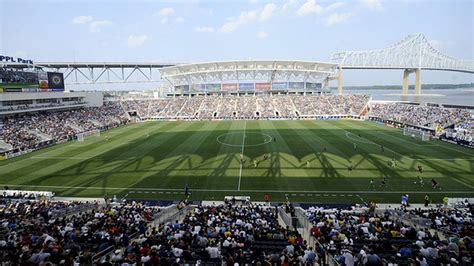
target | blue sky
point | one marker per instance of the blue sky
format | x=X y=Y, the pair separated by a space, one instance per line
x=199 y=30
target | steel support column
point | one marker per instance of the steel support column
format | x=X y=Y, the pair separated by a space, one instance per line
x=406 y=75
x=339 y=80
x=418 y=81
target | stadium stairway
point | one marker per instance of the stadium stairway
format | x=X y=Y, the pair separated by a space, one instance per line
x=74 y=126
x=5 y=146
x=41 y=135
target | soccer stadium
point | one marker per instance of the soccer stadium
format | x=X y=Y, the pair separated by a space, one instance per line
x=240 y=161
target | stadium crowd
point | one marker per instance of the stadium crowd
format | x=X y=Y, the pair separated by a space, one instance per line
x=218 y=234
x=28 y=131
x=248 y=106
x=420 y=115
x=32 y=235
x=365 y=238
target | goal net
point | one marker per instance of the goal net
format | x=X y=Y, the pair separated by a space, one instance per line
x=87 y=134
x=417 y=133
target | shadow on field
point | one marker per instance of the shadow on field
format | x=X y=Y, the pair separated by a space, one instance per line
x=172 y=159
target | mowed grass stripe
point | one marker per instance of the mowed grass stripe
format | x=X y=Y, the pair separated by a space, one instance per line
x=432 y=169
x=176 y=153
x=71 y=172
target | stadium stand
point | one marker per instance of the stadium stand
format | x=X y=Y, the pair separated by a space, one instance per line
x=247 y=106
x=420 y=115
x=40 y=232
x=33 y=130
x=390 y=237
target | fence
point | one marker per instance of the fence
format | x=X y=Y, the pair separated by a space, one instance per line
x=171 y=214
x=73 y=210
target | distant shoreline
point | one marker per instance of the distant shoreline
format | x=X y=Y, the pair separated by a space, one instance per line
x=398 y=87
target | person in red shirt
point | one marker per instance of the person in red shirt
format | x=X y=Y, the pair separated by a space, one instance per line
x=266 y=197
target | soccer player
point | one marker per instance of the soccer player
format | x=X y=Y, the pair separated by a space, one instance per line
x=274 y=139
x=265 y=156
x=351 y=167
x=255 y=163
x=371 y=184
x=420 y=169
x=427 y=200
x=307 y=164
x=420 y=181
x=404 y=201
x=384 y=183
x=394 y=163
x=355 y=145
x=382 y=148
x=435 y=184
x=186 y=190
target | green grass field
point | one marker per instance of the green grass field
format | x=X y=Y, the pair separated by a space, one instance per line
x=155 y=160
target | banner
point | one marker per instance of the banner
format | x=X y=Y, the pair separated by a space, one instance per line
x=263 y=86
x=279 y=86
x=295 y=85
x=313 y=86
x=213 y=87
x=182 y=89
x=198 y=87
x=246 y=86
x=230 y=86
x=55 y=81
x=43 y=81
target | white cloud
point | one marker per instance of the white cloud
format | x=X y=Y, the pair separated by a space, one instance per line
x=333 y=6
x=244 y=18
x=288 y=5
x=165 y=12
x=309 y=7
x=136 y=40
x=336 y=18
x=267 y=11
x=373 y=4
x=97 y=25
x=82 y=19
x=204 y=29
x=262 y=35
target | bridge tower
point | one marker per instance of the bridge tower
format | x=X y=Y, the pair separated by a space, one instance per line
x=406 y=75
x=412 y=54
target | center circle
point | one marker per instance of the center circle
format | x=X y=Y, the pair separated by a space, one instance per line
x=252 y=139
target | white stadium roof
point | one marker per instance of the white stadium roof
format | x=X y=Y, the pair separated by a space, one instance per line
x=248 y=70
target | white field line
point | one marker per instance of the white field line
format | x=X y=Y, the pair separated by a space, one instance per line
x=242 y=156
x=462 y=182
x=233 y=190
x=411 y=142
x=455 y=150
x=60 y=158
x=371 y=142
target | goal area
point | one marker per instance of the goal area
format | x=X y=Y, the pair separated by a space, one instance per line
x=417 y=133
x=92 y=133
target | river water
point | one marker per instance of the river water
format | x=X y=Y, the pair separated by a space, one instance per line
x=464 y=96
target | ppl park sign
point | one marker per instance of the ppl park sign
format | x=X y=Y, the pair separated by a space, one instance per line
x=4 y=58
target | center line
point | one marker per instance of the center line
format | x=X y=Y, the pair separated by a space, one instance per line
x=242 y=156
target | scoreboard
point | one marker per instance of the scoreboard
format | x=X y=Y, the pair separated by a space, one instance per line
x=23 y=81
